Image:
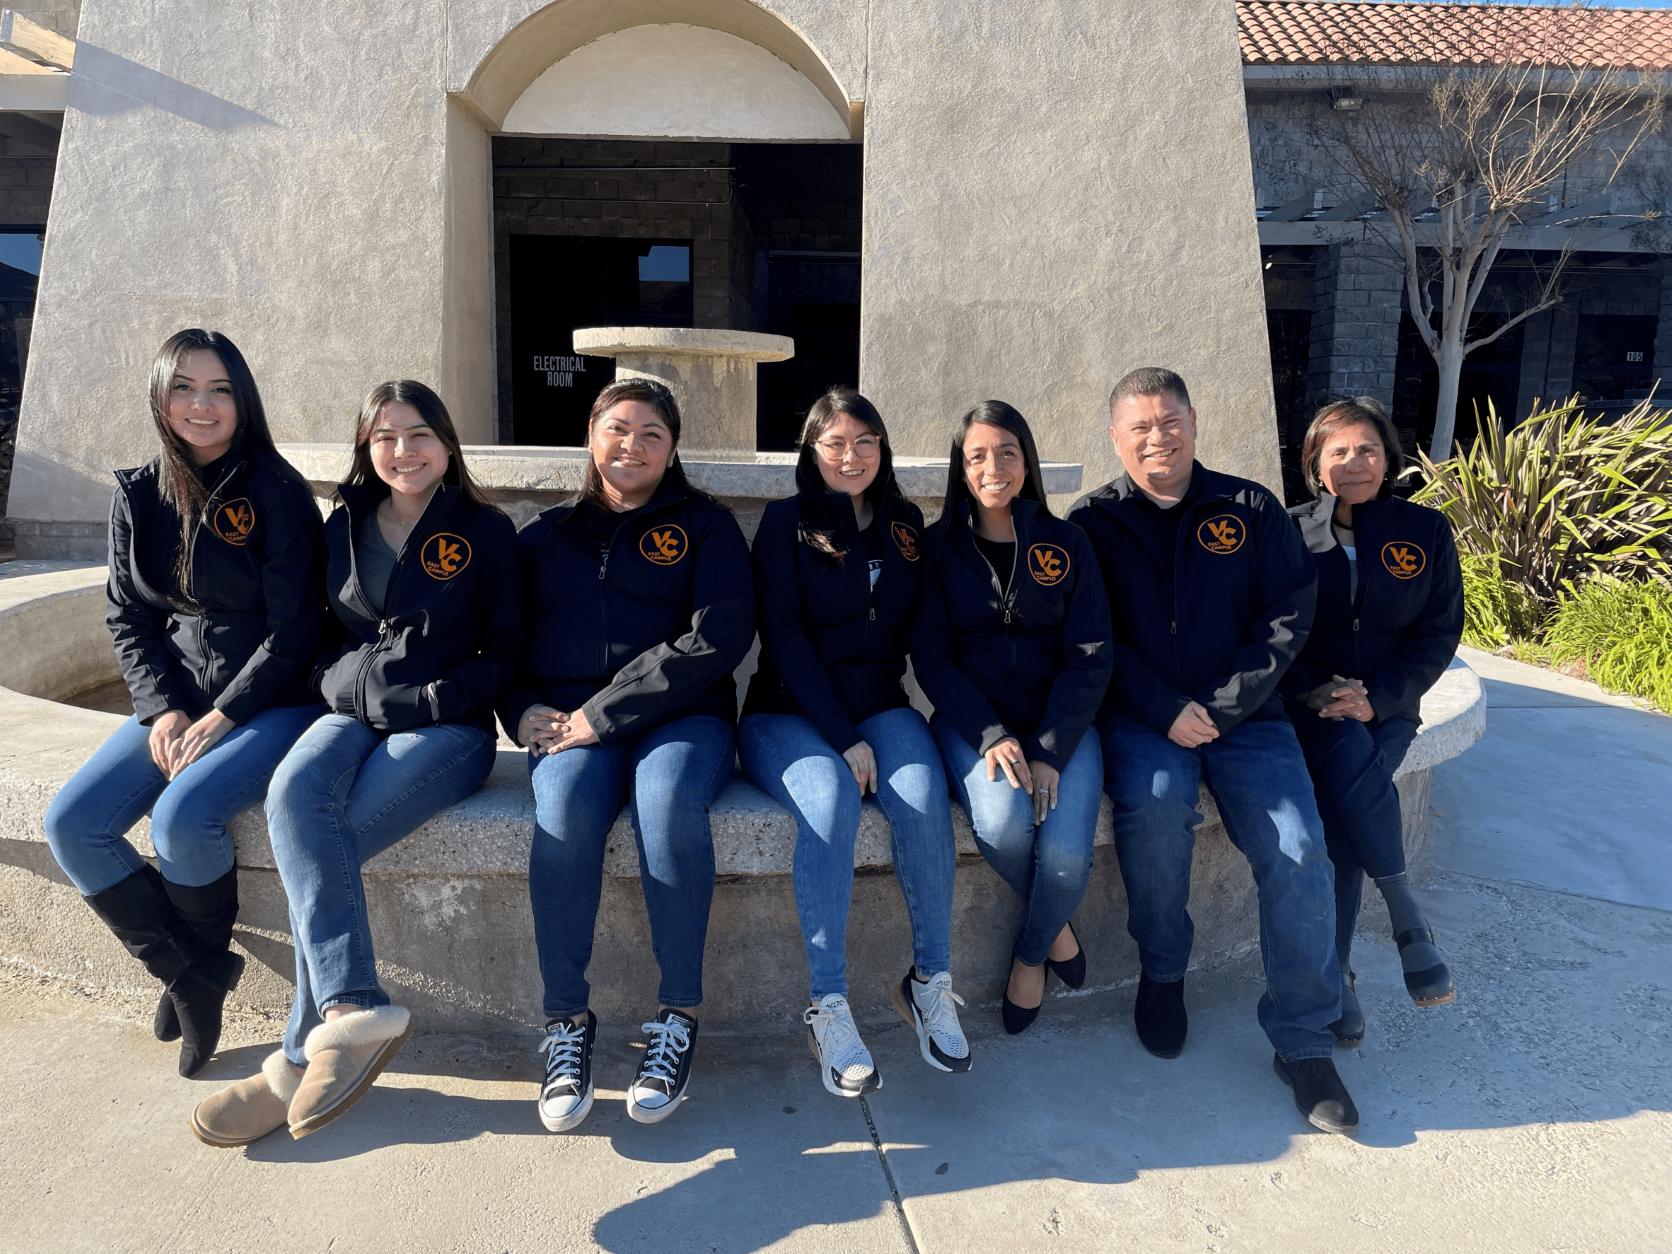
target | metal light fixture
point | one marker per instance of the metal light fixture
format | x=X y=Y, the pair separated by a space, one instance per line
x=1346 y=100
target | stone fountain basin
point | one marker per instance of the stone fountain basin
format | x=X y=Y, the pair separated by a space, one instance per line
x=449 y=905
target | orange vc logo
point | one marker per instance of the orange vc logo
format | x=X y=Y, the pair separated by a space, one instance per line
x=234 y=520
x=444 y=555
x=1223 y=534
x=1404 y=561
x=1047 y=564
x=664 y=545
x=906 y=538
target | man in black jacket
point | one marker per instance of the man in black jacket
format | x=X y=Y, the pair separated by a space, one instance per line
x=1211 y=593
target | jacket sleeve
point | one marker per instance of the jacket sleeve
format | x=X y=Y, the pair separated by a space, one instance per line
x=140 y=629
x=515 y=701
x=293 y=586
x=1078 y=690
x=783 y=630
x=1286 y=597
x=1431 y=641
x=722 y=629
x=933 y=662
x=502 y=644
x=1134 y=686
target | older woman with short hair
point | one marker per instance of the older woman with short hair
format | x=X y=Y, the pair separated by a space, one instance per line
x=1389 y=617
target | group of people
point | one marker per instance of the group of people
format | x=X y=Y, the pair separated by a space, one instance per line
x=1178 y=627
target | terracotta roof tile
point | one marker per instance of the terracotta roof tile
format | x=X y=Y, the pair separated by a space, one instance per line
x=1391 y=32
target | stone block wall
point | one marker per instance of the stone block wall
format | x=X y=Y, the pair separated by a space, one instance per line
x=1355 y=324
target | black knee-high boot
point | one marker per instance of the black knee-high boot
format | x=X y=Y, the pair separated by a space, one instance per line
x=208 y=912
x=140 y=915
x=165 y=1024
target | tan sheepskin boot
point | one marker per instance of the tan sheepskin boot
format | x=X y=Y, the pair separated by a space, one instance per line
x=250 y=1109
x=345 y=1055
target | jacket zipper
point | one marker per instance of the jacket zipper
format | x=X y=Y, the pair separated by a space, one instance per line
x=604 y=609
x=385 y=636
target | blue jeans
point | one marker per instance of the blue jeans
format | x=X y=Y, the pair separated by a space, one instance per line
x=1048 y=866
x=1352 y=766
x=87 y=820
x=785 y=756
x=672 y=774
x=343 y=795
x=1257 y=775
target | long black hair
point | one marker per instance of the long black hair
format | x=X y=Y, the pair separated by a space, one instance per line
x=434 y=413
x=646 y=392
x=178 y=480
x=818 y=509
x=1006 y=418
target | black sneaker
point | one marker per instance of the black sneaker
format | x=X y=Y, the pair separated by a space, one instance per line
x=659 y=1086
x=1160 y=1017
x=1319 y=1093
x=566 y=1096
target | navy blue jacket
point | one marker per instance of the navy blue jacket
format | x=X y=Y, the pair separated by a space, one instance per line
x=833 y=647
x=1223 y=625
x=449 y=640
x=257 y=574
x=1401 y=631
x=1031 y=661
x=649 y=631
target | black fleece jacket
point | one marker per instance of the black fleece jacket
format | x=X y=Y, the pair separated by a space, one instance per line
x=645 y=632
x=1402 y=630
x=257 y=574
x=450 y=637
x=1224 y=623
x=833 y=647
x=1030 y=660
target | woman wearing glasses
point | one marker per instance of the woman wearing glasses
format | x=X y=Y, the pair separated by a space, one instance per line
x=837 y=572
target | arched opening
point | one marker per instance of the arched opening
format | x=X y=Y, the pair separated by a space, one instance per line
x=655 y=164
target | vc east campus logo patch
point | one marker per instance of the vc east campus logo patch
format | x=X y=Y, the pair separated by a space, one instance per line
x=906 y=538
x=234 y=520
x=444 y=555
x=1404 y=561
x=1223 y=534
x=664 y=545
x=1047 y=564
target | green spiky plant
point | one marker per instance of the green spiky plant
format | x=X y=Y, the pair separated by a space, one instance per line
x=1621 y=632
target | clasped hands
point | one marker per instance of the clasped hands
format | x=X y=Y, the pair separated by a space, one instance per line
x=1340 y=698
x=546 y=731
x=1035 y=778
x=176 y=742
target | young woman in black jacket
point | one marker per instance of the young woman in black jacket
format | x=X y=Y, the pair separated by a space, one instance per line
x=423 y=579
x=1012 y=647
x=1389 y=617
x=837 y=572
x=639 y=609
x=215 y=601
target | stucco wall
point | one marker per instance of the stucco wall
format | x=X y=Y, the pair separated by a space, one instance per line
x=1039 y=216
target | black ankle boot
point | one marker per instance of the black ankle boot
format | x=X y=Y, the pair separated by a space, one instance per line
x=1319 y=1093
x=1160 y=1017
x=208 y=911
x=1349 y=1028
x=1432 y=985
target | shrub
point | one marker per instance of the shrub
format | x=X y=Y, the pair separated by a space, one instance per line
x=1562 y=497
x=1622 y=632
x=1496 y=611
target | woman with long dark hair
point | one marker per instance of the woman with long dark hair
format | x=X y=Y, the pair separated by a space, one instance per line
x=1389 y=617
x=639 y=609
x=1012 y=646
x=837 y=574
x=215 y=601
x=423 y=579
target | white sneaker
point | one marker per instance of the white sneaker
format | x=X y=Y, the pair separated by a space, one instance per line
x=566 y=1096
x=845 y=1064
x=932 y=1010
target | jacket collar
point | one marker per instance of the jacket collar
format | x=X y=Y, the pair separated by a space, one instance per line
x=361 y=499
x=1205 y=485
x=1022 y=515
x=1316 y=519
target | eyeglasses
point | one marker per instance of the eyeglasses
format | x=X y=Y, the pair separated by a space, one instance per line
x=865 y=447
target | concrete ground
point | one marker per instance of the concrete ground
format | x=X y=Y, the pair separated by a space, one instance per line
x=1534 y=1114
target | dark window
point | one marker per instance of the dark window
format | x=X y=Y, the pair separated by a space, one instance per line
x=1491 y=373
x=1290 y=333
x=1614 y=355
x=816 y=302
x=560 y=283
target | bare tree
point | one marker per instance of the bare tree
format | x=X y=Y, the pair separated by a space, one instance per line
x=1456 y=159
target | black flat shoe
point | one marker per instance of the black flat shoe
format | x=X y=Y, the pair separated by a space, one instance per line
x=1018 y=1019
x=1160 y=1017
x=1349 y=1028
x=1071 y=971
x=1431 y=986
x=1319 y=1093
